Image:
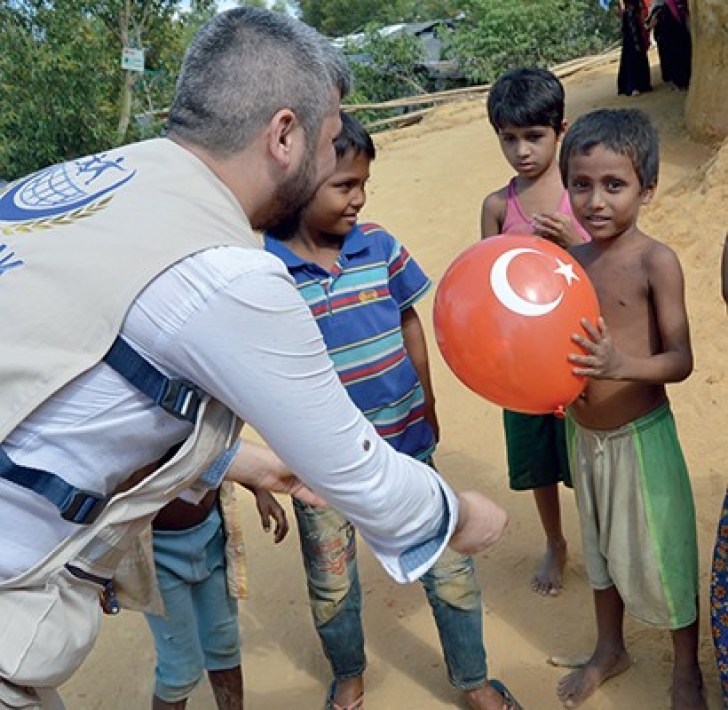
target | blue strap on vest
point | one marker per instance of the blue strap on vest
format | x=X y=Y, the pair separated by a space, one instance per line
x=76 y=505
x=178 y=397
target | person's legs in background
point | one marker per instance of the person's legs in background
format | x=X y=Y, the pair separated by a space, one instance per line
x=719 y=599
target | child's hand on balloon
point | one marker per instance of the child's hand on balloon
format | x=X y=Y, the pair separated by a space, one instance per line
x=497 y=304
x=601 y=360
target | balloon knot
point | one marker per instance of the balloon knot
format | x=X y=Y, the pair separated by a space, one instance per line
x=560 y=412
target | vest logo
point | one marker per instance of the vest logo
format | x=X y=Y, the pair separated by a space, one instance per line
x=61 y=194
x=8 y=260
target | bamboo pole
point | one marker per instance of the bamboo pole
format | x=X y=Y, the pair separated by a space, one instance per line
x=560 y=70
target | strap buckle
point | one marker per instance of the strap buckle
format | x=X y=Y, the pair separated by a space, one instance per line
x=180 y=398
x=83 y=507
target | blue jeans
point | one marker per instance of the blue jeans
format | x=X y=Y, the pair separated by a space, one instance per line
x=328 y=544
x=200 y=630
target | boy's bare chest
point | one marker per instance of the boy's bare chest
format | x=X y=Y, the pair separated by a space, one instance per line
x=622 y=287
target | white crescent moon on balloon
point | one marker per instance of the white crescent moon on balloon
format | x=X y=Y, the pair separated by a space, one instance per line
x=504 y=291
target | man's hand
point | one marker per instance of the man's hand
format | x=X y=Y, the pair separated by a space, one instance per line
x=481 y=523
x=256 y=466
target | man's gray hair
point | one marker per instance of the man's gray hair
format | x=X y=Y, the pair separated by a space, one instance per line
x=242 y=67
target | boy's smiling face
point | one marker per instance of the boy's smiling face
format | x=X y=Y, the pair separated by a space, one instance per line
x=605 y=192
x=530 y=150
x=337 y=203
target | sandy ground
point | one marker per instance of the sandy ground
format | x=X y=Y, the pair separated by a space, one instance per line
x=427 y=186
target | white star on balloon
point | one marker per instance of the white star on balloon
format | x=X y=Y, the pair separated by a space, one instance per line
x=567 y=271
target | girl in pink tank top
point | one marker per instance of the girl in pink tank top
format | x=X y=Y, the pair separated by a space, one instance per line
x=526 y=109
x=518 y=222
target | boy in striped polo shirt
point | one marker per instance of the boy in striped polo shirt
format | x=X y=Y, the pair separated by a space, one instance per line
x=361 y=285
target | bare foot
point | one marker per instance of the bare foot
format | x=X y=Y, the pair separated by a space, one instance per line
x=549 y=575
x=687 y=692
x=576 y=687
x=485 y=698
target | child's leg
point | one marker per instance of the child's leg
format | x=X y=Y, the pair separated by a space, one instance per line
x=456 y=601
x=610 y=655
x=455 y=598
x=537 y=461
x=159 y=704
x=719 y=599
x=180 y=654
x=328 y=544
x=548 y=578
x=687 y=680
x=219 y=631
x=227 y=686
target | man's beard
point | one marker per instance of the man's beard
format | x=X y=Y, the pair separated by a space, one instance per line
x=291 y=195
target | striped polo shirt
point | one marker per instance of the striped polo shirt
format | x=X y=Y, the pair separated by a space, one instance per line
x=358 y=307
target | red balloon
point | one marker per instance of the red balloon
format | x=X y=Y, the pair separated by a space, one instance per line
x=504 y=313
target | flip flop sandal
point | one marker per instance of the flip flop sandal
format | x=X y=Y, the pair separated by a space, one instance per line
x=499 y=687
x=331 y=704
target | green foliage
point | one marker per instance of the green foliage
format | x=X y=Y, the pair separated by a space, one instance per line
x=336 y=18
x=491 y=36
x=166 y=40
x=340 y=17
x=64 y=91
x=386 y=67
x=496 y=35
x=279 y=6
x=58 y=94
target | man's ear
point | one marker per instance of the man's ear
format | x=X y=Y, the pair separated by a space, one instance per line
x=281 y=136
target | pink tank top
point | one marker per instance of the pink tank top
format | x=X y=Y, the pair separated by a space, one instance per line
x=518 y=222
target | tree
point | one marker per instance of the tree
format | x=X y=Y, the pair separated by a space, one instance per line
x=64 y=91
x=341 y=17
x=386 y=67
x=496 y=35
x=706 y=115
x=58 y=84
x=154 y=26
x=128 y=22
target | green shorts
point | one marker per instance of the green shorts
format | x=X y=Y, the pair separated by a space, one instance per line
x=536 y=450
x=637 y=516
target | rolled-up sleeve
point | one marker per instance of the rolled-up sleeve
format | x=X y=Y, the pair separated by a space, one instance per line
x=255 y=346
x=212 y=476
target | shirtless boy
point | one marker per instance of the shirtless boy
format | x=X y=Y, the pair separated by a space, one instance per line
x=632 y=487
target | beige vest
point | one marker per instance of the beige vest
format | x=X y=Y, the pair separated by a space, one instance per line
x=49 y=619
x=79 y=241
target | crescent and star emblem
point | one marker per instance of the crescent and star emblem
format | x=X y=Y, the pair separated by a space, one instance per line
x=504 y=292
